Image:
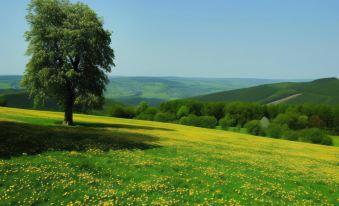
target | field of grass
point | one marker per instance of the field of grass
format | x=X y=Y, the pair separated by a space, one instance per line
x=335 y=140
x=107 y=161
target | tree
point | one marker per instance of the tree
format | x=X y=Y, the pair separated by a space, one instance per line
x=122 y=111
x=183 y=111
x=142 y=106
x=227 y=122
x=70 y=55
x=254 y=127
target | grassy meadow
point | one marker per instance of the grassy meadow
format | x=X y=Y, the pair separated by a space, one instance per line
x=112 y=161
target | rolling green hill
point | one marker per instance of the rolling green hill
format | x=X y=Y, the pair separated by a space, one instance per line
x=323 y=91
x=112 y=161
x=132 y=90
x=154 y=90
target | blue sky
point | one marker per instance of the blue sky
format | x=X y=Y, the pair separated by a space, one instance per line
x=216 y=38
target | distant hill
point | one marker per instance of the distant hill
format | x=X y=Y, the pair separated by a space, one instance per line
x=324 y=91
x=132 y=90
x=19 y=98
x=154 y=90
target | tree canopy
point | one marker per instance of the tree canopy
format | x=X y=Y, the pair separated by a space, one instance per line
x=70 y=55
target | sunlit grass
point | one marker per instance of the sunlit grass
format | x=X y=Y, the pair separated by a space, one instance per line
x=186 y=166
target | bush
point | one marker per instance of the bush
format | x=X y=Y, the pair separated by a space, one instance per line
x=164 y=117
x=276 y=130
x=3 y=103
x=199 y=121
x=122 y=111
x=208 y=121
x=314 y=135
x=291 y=135
x=183 y=111
x=254 y=127
x=148 y=114
x=227 y=122
x=142 y=106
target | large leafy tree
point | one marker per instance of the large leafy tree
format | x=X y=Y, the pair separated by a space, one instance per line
x=70 y=55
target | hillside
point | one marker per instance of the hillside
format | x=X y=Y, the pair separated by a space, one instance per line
x=324 y=91
x=104 y=161
x=132 y=90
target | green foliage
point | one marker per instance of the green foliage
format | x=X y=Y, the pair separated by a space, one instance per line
x=118 y=110
x=199 y=121
x=293 y=120
x=164 y=117
x=148 y=114
x=20 y=99
x=183 y=111
x=3 y=102
x=69 y=53
x=227 y=122
x=315 y=121
x=312 y=135
x=254 y=127
x=276 y=130
x=215 y=109
x=142 y=106
x=315 y=136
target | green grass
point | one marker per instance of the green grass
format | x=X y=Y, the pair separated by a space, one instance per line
x=335 y=140
x=105 y=160
x=324 y=91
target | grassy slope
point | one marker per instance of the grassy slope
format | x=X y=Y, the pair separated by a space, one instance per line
x=335 y=140
x=176 y=164
x=319 y=91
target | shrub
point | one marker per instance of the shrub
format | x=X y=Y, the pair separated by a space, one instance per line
x=208 y=121
x=314 y=135
x=276 y=130
x=254 y=127
x=148 y=114
x=122 y=111
x=315 y=121
x=3 y=102
x=302 y=122
x=183 y=111
x=215 y=109
x=142 y=106
x=199 y=121
x=227 y=122
x=164 y=117
x=291 y=135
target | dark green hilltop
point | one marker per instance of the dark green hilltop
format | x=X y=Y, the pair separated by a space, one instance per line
x=324 y=91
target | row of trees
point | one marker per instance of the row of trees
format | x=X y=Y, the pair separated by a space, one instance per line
x=295 y=122
x=3 y=102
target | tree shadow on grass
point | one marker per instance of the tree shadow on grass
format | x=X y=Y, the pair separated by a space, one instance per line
x=18 y=138
x=107 y=125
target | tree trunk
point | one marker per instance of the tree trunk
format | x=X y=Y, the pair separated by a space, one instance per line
x=69 y=103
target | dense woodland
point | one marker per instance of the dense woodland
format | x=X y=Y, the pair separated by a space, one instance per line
x=306 y=122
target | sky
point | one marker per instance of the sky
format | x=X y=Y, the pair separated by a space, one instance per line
x=271 y=39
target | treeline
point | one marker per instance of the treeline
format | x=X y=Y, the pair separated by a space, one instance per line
x=3 y=102
x=293 y=122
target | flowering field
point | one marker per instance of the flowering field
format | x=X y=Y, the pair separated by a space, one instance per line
x=111 y=161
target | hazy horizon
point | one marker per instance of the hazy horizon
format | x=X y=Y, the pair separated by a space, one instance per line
x=219 y=39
